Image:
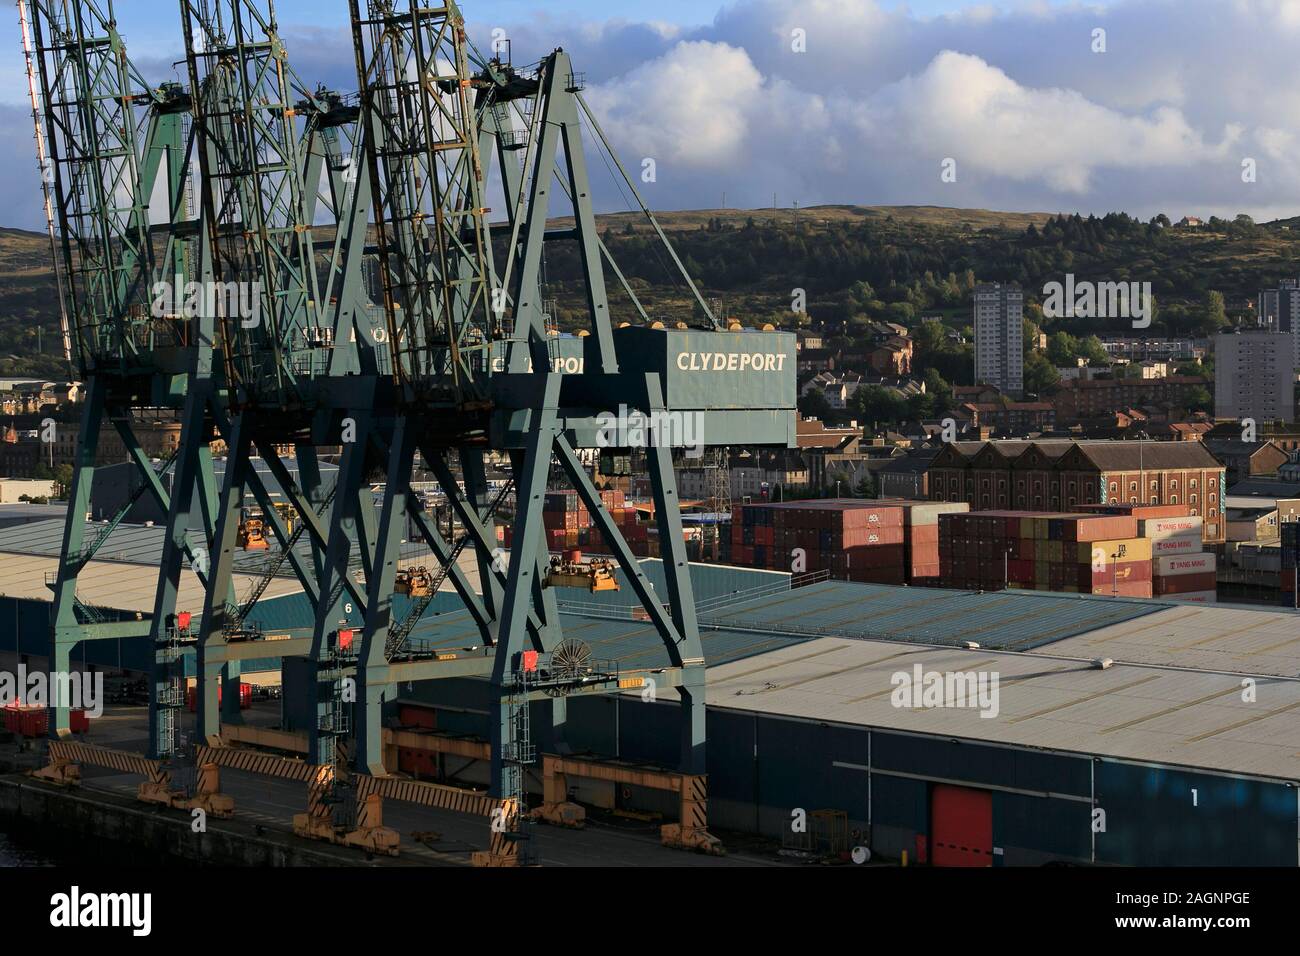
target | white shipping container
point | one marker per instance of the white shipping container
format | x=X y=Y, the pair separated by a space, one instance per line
x=1177 y=544
x=1170 y=565
x=928 y=513
x=1165 y=527
x=1194 y=597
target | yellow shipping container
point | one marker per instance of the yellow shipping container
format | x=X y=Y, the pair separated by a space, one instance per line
x=1127 y=549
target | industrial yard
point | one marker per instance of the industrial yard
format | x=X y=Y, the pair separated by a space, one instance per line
x=407 y=509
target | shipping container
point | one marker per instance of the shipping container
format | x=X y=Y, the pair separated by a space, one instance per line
x=1170 y=527
x=1175 y=564
x=1177 y=544
x=1186 y=583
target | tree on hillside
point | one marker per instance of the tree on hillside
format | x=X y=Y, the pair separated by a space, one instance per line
x=1039 y=374
x=814 y=404
x=1062 y=349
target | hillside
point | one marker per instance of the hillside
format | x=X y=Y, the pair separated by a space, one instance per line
x=854 y=263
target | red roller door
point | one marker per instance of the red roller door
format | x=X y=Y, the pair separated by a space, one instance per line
x=962 y=826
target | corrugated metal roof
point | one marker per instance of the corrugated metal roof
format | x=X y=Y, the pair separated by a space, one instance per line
x=1153 y=714
x=141 y=544
x=1200 y=636
x=629 y=643
x=122 y=587
x=1011 y=620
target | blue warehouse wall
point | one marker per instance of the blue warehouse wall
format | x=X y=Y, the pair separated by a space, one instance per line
x=1153 y=818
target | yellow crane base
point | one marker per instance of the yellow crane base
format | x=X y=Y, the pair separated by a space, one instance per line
x=213 y=804
x=381 y=840
x=562 y=815
x=486 y=858
x=370 y=835
x=677 y=837
x=65 y=773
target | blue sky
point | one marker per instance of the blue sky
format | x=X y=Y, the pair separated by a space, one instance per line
x=1182 y=106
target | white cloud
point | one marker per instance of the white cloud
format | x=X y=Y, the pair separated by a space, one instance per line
x=1014 y=93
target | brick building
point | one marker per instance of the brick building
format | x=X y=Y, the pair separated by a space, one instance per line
x=1011 y=418
x=1062 y=475
x=1080 y=400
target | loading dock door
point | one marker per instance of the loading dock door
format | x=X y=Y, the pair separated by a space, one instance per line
x=961 y=824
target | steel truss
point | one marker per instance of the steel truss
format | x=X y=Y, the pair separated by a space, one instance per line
x=456 y=362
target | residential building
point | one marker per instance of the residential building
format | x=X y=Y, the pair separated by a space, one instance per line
x=1082 y=400
x=1266 y=493
x=962 y=394
x=1278 y=310
x=754 y=473
x=892 y=357
x=1246 y=459
x=1171 y=350
x=1011 y=418
x=999 y=337
x=1053 y=475
x=905 y=476
x=1254 y=376
x=840 y=387
x=1252 y=524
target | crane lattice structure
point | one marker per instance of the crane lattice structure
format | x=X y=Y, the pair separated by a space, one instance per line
x=108 y=142
x=458 y=361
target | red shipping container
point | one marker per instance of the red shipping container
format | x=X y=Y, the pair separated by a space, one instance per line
x=1099 y=528
x=1191 y=583
x=1135 y=589
x=1120 y=571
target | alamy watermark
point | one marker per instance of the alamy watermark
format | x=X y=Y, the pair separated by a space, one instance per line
x=920 y=689
x=633 y=428
x=1098 y=300
x=233 y=300
x=74 y=689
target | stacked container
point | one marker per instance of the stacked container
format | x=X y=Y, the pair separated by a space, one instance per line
x=569 y=525
x=921 y=538
x=1183 y=571
x=1075 y=553
x=880 y=541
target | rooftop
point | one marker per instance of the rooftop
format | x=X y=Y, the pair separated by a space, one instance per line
x=1137 y=712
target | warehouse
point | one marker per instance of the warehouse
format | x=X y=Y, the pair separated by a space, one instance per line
x=1164 y=757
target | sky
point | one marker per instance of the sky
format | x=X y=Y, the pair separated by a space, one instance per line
x=1187 y=107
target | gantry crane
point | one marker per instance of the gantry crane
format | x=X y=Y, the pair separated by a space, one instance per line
x=456 y=361
x=107 y=141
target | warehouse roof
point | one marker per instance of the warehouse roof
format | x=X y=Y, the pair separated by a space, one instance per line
x=139 y=544
x=108 y=584
x=1146 y=713
x=1105 y=455
x=1011 y=620
x=1264 y=488
x=1154 y=455
x=1206 y=637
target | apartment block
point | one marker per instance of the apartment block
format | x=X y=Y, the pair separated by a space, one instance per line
x=999 y=337
x=1254 y=376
